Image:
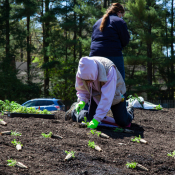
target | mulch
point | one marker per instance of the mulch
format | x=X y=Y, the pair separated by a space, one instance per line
x=46 y=155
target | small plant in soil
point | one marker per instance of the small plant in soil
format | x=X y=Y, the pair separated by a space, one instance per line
x=47 y=135
x=136 y=139
x=70 y=155
x=14 y=142
x=131 y=165
x=72 y=152
x=158 y=107
x=91 y=144
x=132 y=98
x=14 y=133
x=118 y=130
x=11 y=162
x=172 y=154
x=95 y=132
x=85 y=121
x=1 y=120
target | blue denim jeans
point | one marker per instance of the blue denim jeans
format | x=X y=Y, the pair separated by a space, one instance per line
x=119 y=62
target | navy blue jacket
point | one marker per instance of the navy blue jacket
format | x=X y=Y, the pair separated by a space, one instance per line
x=111 y=41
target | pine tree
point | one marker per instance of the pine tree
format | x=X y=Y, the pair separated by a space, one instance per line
x=144 y=19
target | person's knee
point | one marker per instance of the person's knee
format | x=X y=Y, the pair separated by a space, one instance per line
x=124 y=121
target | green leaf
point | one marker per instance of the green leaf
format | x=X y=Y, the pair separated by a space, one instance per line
x=136 y=139
x=15 y=133
x=11 y=162
x=172 y=154
x=14 y=142
x=131 y=165
x=47 y=135
x=118 y=129
x=91 y=144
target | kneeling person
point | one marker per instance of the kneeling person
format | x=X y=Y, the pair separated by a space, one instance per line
x=99 y=81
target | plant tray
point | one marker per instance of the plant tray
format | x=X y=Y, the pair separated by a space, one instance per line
x=46 y=116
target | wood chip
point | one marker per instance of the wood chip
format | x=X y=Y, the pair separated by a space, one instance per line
x=18 y=147
x=104 y=136
x=56 y=136
x=21 y=165
x=141 y=167
x=121 y=143
x=3 y=123
x=68 y=157
x=5 y=133
x=98 y=148
x=143 y=141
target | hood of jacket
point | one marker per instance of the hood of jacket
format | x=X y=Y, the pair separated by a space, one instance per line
x=87 y=69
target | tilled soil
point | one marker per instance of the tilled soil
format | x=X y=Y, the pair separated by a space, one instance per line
x=46 y=155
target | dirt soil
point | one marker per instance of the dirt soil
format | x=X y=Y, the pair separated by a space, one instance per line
x=46 y=155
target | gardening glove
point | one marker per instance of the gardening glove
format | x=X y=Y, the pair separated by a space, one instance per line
x=79 y=106
x=93 y=124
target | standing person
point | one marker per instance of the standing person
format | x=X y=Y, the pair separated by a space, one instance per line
x=110 y=35
x=99 y=81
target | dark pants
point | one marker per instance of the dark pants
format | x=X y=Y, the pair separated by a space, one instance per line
x=120 y=114
x=119 y=63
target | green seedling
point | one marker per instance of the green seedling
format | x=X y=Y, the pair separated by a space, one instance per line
x=72 y=152
x=11 y=162
x=85 y=121
x=95 y=132
x=15 y=133
x=14 y=142
x=98 y=133
x=136 y=139
x=30 y=110
x=172 y=154
x=132 y=98
x=47 y=135
x=131 y=165
x=1 y=120
x=7 y=106
x=118 y=130
x=91 y=144
x=158 y=107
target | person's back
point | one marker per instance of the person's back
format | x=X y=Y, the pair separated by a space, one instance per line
x=110 y=35
x=112 y=39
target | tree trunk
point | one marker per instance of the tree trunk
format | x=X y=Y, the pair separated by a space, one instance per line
x=149 y=53
x=75 y=34
x=105 y=4
x=22 y=54
x=65 y=71
x=149 y=64
x=45 y=45
x=28 y=50
x=7 y=28
x=80 y=35
x=172 y=54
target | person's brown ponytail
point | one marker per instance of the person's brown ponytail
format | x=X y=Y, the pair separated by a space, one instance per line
x=114 y=8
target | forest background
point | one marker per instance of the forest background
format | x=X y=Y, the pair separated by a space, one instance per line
x=55 y=34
